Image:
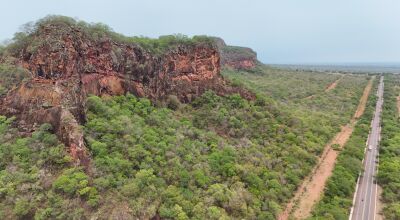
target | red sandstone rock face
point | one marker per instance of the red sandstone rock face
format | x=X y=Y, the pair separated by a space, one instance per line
x=240 y=58
x=242 y=64
x=110 y=68
x=68 y=66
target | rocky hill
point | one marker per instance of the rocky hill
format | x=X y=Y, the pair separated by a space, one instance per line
x=69 y=60
x=240 y=58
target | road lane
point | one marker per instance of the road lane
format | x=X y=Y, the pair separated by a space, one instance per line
x=364 y=207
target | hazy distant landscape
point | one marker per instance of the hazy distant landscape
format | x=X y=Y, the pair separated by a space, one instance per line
x=350 y=67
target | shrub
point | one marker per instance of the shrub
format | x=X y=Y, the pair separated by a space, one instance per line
x=22 y=207
x=72 y=181
x=173 y=102
x=223 y=162
x=11 y=76
x=336 y=147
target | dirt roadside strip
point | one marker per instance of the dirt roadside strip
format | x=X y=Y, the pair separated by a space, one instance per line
x=398 y=104
x=379 y=205
x=363 y=101
x=310 y=191
x=328 y=88
x=333 y=85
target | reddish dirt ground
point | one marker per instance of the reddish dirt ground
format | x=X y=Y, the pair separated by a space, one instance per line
x=379 y=205
x=333 y=85
x=363 y=100
x=310 y=97
x=310 y=191
x=398 y=104
x=328 y=88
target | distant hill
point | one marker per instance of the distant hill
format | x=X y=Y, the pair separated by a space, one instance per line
x=346 y=68
x=235 y=56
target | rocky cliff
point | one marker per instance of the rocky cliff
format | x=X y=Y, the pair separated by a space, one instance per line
x=68 y=64
x=240 y=58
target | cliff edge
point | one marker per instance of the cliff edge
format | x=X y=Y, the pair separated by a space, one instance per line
x=69 y=60
x=239 y=58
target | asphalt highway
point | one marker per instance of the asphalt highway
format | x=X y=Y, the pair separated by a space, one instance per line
x=365 y=201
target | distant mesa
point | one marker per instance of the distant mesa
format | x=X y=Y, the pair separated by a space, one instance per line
x=240 y=58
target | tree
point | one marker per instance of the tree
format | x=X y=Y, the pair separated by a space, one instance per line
x=73 y=181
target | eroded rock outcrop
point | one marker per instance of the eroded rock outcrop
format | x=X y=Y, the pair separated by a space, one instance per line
x=67 y=66
x=240 y=58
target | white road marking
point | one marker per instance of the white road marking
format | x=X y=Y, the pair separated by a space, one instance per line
x=363 y=197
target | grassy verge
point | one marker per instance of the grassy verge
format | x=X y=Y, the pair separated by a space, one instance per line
x=337 y=199
x=389 y=167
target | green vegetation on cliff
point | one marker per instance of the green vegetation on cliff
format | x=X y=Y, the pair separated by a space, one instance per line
x=97 y=32
x=36 y=180
x=11 y=76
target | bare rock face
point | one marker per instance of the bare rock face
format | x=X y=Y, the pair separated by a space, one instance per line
x=239 y=58
x=67 y=66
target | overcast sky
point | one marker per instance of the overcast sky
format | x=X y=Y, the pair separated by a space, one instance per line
x=281 y=31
